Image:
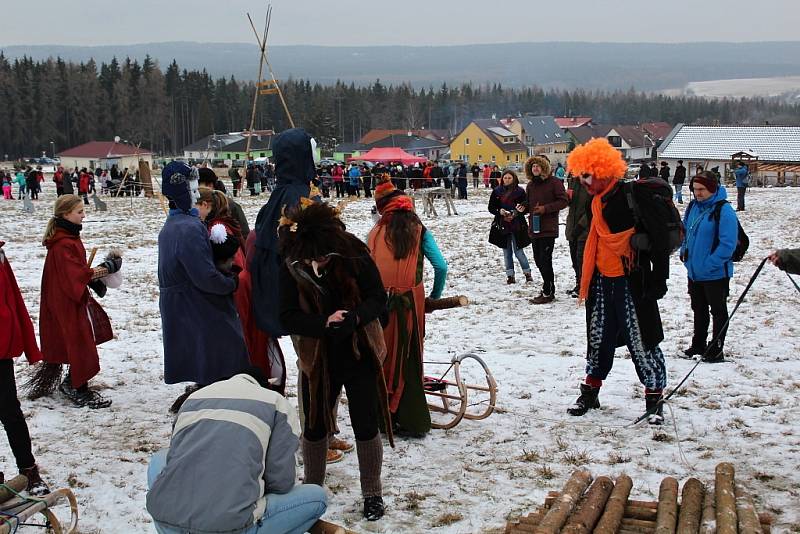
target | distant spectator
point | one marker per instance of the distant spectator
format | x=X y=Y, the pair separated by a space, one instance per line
x=742 y=174
x=678 y=180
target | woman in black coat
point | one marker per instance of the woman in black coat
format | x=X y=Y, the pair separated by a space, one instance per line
x=509 y=228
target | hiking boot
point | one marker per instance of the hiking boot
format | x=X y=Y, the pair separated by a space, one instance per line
x=333 y=456
x=87 y=398
x=717 y=358
x=691 y=352
x=373 y=508
x=543 y=299
x=511 y=280
x=655 y=408
x=528 y=277
x=36 y=486
x=588 y=400
x=339 y=444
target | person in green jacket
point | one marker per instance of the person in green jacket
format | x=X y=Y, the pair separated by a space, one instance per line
x=786 y=259
x=20 y=179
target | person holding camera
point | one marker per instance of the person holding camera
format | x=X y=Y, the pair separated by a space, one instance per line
x=706 y=251
x=331 y=299
x=509 y=231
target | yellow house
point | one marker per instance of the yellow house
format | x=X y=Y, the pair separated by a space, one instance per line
x=488 y=141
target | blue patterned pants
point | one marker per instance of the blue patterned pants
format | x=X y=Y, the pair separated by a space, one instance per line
x=611 y=315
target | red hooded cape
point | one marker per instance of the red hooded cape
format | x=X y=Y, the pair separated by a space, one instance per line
x=65 y=330
x=17 y=334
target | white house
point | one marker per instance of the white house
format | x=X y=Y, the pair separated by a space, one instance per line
x=105 y=154
x=775 y=150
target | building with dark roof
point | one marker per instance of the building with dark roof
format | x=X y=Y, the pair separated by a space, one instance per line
x=541 y=135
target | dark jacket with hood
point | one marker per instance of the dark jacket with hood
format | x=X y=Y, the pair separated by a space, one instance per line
x=548 y=192
x=294 y=169
x=578 y=217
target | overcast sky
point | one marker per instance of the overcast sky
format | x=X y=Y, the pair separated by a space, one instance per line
x=376 y=22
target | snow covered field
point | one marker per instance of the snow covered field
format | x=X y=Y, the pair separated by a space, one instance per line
x=473 y=477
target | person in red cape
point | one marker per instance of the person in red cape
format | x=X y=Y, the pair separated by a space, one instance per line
x=16 y=337
x=68 y=335
x=398 y=243
x=265 y=353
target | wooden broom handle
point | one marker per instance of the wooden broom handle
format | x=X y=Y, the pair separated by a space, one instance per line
x=92 y=254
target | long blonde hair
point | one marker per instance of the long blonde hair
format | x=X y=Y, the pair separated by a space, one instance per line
x=64 y=204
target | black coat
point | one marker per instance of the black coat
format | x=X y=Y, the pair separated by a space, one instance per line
x=518 y=226
x=648 y=278
x=680 y=175
x=294 y=169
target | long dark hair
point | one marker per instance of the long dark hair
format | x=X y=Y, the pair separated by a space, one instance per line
x=401 y=233
x=317 y=232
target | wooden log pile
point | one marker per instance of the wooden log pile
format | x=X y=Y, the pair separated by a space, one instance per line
x=601 y=506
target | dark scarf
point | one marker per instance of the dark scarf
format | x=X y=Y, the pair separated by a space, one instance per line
x=72 y=228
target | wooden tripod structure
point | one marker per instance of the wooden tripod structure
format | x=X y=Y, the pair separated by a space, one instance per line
x=264 y=87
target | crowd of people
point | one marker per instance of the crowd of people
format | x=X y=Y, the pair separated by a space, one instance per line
x=355 y=311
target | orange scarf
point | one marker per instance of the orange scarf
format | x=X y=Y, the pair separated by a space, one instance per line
x=604 y=250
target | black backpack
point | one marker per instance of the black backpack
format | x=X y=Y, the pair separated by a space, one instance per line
x=742 y=241
x=658 y=222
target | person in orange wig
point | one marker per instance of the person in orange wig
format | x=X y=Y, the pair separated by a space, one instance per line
x=621 y=286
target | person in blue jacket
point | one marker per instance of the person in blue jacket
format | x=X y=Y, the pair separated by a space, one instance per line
x=354 y=176
x=711 y=235
x=742 y=174
x=202 y=333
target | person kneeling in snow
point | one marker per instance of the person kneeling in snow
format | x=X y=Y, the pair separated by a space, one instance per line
x=621 y=286
x=230 y=466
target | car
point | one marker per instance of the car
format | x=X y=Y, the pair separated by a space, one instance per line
x=633 y=170
x=516 y=167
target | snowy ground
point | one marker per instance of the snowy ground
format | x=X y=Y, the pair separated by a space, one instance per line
x=475 y=476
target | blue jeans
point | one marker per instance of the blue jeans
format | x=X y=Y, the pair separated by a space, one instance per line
x=678 y=192
x=510 y=251
x=290 y=513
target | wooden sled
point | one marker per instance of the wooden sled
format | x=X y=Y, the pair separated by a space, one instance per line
x=16 y=509
x=465 y=389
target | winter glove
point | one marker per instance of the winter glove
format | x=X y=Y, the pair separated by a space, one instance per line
x=344 y=328
x=99 y=287
x=112 y=263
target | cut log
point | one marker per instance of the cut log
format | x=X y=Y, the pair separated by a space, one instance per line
x=691 y=506
x=746 y=512
x=565 y=504
x=552 y=496
x=708 y=522
x=637 y=523
x=589 y=511
x=725 y=499
x=640 y=512
x=533 y=519
x=667 y=517
x=18 y=483
x=615 y=507
x=431 y=305
x=766 y=522
x=643 y=504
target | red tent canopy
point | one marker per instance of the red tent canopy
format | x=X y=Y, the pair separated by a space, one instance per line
x=387 y=155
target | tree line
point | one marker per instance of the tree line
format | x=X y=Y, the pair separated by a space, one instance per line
x=53 y=104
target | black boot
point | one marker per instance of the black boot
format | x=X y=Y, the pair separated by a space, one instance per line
x=510 y=280
x=655 y=408
x=373 y=508
x=587 y=401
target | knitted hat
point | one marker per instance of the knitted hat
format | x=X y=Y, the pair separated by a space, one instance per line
x=384 y=192
x=179 y=185
x=207 y=176
x=709 y=181
x=542 y=162
x=223 y=244
x=597 y=158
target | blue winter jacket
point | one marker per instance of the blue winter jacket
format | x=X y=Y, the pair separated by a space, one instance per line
x=701 y=264
x=742 y=176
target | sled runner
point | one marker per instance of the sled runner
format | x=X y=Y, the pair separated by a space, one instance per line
x=465 y=389
x=16 y=509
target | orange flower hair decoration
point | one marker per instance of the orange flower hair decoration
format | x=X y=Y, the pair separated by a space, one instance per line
x=598 y=158
x=286 y=221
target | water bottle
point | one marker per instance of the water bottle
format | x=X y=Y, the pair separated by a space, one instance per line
x=536 y=223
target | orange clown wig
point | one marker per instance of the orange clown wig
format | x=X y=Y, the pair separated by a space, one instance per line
x=597 y=158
